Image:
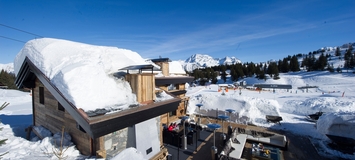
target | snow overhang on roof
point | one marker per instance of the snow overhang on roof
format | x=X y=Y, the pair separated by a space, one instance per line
x=81 y=76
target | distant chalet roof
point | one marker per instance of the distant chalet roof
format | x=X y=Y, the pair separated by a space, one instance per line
x=276 y=86
x=96 y=126
x=161 y=60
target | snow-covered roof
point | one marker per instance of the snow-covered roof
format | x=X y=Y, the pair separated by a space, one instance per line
x=83 y=73
x=175 y=67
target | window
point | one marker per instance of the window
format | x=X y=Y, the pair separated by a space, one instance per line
x=171 y=87
x=172 y=113
x=60 y=107
x=80 y=128
x=41 y=95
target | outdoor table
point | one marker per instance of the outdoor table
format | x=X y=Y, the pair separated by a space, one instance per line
x=274 y=153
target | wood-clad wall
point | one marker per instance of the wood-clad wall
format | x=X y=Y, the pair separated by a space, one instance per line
x=143 y=85
x=165 y=68
x=48 y=116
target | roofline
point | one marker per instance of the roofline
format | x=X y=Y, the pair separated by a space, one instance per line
x=159 y=81
x=160 y=60
x=109 y=123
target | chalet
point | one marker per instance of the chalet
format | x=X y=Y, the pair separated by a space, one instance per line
x=99 y=133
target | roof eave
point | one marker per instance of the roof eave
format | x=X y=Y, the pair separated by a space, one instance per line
x=105 y=124
x=159 y=81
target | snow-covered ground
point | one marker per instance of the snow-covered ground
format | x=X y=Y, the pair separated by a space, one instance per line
x=335 y=96
x=251 y=107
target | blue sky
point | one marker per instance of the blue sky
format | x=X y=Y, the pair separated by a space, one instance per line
x=247 y=29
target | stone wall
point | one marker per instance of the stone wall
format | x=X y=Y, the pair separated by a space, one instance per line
x=115 y=142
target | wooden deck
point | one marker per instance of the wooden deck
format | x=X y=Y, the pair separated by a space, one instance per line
x=203 y=151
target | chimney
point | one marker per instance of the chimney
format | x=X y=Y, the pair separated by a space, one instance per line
x=164 y=65
x=165 y=68
x=143 y=85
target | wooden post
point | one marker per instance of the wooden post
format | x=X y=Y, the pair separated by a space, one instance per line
x=28 y=132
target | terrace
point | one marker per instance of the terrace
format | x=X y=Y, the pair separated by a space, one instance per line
x=248 y=136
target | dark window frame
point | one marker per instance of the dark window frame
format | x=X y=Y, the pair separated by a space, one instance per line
x=60 y=107
x=80 y=128
x=172 y=113
x=41 y=95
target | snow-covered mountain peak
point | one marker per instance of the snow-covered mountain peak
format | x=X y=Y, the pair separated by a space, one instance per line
x=229 y=60
x=203 y=60
x=7 y=67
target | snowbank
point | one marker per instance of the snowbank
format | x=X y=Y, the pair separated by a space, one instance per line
x=129 y=153
x=162 y=96
x=247 y=109
x=338 y=124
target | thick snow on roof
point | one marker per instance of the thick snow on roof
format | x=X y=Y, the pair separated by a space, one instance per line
x=175 y=67
x=83 y=72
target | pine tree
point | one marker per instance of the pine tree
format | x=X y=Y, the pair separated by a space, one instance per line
x=348 y=53
x=261 y=75
x=330 y=68
x=8 y=79
x=321 y=63
x=352 y=61
x=311 y=63
x=214 y=78
x=251 y=69
x=338 y=69
x=285 y=67
x=337 y=52
x=294 y=65
x=272 y=69
x=240 y=72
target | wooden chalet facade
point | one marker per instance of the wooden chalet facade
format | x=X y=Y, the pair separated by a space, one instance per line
x=108 y=134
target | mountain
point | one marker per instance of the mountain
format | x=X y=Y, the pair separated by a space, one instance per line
x=202 y=60
x=7 y=67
